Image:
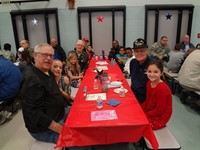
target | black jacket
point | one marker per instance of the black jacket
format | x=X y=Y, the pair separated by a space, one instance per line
x=42 y=100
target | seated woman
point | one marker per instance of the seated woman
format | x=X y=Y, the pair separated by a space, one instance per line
x=158 y=103
x=121 y=58
x=89 y=51
x=62 y=81
x=24 y=59
x=73 y=69
x=176 y=59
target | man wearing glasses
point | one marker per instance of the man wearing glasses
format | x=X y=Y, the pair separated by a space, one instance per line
x=138 y=69
x=42 y=102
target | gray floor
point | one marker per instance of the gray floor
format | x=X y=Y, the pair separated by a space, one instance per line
x=184 y=124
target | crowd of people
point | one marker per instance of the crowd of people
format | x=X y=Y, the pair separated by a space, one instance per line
x=44 y=76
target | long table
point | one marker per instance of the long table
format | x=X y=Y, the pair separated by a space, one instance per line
x=130 y=126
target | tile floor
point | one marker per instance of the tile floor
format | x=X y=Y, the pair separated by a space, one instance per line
x=184 y=124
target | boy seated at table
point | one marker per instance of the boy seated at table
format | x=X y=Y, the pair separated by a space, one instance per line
x=121 y=58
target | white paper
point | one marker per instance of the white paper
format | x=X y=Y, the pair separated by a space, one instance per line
x=103 y=115
x=101 y=63
x=92 y=97
x=101 y=68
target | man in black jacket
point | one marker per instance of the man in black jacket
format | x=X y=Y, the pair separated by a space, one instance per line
x=42 y=102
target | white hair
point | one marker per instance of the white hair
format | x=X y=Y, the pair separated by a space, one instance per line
x=37 y=48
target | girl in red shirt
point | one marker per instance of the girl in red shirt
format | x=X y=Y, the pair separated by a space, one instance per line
x=158 y=103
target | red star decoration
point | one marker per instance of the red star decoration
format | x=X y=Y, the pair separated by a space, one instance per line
x=100 y=19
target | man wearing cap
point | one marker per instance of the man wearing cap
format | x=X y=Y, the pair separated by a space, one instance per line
x=138 y=69
x=85 y=39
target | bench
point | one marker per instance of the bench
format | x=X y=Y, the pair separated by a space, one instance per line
x=38 y=145
x=171 y=76
x=165 y=140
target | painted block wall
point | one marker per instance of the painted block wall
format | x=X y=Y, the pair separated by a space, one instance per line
x=68 y=18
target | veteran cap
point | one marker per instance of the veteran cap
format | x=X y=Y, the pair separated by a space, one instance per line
x=140 y=43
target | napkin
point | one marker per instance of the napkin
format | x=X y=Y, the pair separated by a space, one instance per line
x=113 y=102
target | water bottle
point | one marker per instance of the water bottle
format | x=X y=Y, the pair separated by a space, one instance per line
x=111 y=62
x=95 y=84
x=94 y=56
x=99 y=102
x=103 y=55
x=114 y=62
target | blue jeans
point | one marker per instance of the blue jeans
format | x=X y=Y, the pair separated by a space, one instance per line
x=49 y=135
x=52 y=137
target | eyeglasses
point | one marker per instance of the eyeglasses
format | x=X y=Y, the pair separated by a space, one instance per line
x=45 y=55
x=79 y=45
x=142 y=51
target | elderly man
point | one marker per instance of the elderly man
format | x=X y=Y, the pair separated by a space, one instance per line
x=138 y=69
x=185 y=44
x=59 y=52
x=160 y=50
x=83 y=58
x=42 y=102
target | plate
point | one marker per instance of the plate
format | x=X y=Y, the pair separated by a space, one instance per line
x=117 y=90
x=115 y=83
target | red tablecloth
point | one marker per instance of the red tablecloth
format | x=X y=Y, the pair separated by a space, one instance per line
x=130 y=126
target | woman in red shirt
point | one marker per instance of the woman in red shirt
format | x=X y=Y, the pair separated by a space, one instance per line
x=158 y=104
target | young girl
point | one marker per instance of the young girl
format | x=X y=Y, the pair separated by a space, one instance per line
x=158 y=104
x=73 y=69
x=62 y=81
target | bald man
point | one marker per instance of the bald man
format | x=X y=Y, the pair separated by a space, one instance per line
x=59 y=52
x=185 y=44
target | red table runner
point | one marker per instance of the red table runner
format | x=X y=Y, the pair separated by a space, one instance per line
x=130 y=126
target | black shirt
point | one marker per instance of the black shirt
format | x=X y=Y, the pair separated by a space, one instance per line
x=42 y=100
x=139 y=78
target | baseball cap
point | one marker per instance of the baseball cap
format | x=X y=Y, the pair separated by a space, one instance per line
x=139 y=43
x=85 y=39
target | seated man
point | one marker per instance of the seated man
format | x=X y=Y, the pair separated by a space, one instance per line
x=185 y=44
x=83 y=58
x=59 y=52
x=160 y=50
x=114 y=50
x=7 y=52
x=138 y=69
x=43 y=106
x=189 y=74
x=10 y=79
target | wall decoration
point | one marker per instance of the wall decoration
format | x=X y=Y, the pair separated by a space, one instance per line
x=35 y=22
x=168 y=16
x=100 y=18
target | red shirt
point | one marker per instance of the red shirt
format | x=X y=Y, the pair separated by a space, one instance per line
x=158 y=104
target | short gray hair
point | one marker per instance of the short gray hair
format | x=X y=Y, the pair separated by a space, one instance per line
x=37 y=48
